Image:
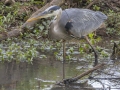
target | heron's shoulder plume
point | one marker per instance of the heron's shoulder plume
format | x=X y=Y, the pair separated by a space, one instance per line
x=68 y=25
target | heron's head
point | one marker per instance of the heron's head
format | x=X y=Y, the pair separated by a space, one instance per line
x=49 y=12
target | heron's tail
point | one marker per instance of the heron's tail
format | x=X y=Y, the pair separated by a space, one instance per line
x=101 y=15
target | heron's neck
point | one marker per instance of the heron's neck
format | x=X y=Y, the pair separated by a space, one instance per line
x=58 y=16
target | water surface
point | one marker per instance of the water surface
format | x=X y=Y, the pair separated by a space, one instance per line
x=42 y=74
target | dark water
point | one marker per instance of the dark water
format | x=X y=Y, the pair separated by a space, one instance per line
x=42 y=74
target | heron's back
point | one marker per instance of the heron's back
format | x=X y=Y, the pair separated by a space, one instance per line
x=82 y=22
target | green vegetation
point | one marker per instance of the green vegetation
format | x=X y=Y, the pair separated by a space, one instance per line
x=27 y=45
x=24 y=47
x=113 y=23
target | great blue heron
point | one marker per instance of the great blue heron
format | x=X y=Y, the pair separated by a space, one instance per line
x=73 y=22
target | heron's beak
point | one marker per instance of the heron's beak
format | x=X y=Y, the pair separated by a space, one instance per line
x=39 y=16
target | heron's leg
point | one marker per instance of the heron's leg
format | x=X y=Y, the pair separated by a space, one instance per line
x=64 y=54
x=95 y=52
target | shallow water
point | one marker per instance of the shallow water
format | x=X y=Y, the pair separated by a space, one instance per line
x=42 y=74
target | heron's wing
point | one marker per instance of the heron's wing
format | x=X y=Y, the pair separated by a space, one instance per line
x=83 y=21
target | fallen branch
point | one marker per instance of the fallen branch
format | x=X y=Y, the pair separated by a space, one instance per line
x=92 y=3
x=10 y=34
x=71 y=80
x=17 y=32
x=31 y=24
x=9 y=2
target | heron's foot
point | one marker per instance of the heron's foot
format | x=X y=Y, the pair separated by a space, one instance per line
x=68 y=81
x=96 y=58
x=82 y=37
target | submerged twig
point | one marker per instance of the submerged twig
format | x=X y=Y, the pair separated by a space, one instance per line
x=116 y=52
x=74 y=79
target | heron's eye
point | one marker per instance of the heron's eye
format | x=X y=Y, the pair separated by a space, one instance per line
x=51 y=11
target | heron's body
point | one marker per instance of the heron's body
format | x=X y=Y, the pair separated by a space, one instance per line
x=79 y=22
x=71 y=23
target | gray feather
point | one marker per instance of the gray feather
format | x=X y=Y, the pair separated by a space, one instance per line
x=83 y=22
